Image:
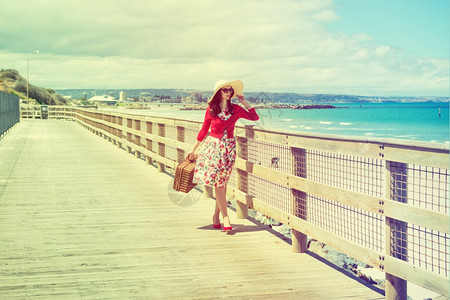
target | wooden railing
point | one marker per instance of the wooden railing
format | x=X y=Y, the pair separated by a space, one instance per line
x=53 y=112
x=383 y=202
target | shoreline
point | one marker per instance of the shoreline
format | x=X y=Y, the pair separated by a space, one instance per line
x=275 y=106
x=317 y=121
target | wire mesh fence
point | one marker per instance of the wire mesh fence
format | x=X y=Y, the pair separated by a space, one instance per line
x=416 y=185
x=425 y=187
x=9 y=111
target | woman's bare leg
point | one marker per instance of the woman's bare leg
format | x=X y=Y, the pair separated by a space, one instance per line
x=216 y=216
x=221 y=205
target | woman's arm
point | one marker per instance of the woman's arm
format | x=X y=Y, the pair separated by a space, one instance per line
x=205 y=127
x=250 y=113
x=190 y=154
x=241 y=99
x=201 y=135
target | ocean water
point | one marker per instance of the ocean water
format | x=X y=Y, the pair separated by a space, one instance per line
x=407 y=121
x=410 y=121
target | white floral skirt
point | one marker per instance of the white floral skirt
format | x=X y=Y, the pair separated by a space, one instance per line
x=215 y=161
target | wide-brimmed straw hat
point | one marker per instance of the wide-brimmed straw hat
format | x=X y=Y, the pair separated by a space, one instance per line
x=237 y=86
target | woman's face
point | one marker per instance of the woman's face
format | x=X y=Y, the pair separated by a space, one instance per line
x=227 y=92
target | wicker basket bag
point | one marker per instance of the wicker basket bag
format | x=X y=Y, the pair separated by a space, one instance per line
x=184 y=175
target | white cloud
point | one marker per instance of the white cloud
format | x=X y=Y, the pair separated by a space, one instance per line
x=272 y=46
x=382 y=50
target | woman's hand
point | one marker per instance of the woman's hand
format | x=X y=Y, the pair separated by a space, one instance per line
x=190 y=155
x=241 y=99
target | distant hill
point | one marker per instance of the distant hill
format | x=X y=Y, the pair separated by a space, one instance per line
x=11 y=82
x=263 y=97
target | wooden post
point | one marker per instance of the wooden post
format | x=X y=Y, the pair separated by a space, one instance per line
x=119 y=121
x=161 y=147
x=149 y=146
x=180 y=137
x=242 y=185
x=137 y=141
x=396 y=231
x=161 y=152
x=299 y=240
x=242 y=176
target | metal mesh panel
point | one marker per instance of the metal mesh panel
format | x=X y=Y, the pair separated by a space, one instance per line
x=137 y=140
x=429 y=249
x=161 y=130
x=180 y=155
x=359 y=174
x=273 y=156
x=9 y=111
x=357 y=225
x=161 y=149
x=190 y=135
x=180 y=133
x=423 y=247
x=171 y=132
x=150 y=145
x=424 y=187
x=149 y=127
x=364 y=175
x=137 y=124
x=233 y=178
x=270 y=155
x=271 y=193
x=243 y=182
x=421 y=186
x=171 y=153
x=300 y=204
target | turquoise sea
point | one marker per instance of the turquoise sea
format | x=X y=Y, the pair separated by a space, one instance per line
x=410 y=121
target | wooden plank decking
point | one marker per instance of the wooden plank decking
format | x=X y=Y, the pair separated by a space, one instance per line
x=81 y=219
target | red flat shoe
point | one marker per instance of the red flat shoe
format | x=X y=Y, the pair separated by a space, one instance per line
x=216 y=226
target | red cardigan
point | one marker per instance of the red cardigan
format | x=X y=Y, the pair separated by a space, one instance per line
x=218 y=126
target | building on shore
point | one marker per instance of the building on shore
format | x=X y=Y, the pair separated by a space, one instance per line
x=145 y=97
x=194 y=97
x=109 y=100
x=122 y=96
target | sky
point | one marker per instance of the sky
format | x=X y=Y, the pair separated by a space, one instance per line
x=358 y=47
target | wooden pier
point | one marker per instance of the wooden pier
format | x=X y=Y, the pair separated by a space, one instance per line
x=80 y=219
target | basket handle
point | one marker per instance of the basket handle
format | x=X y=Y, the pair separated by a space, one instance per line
x=192 y=159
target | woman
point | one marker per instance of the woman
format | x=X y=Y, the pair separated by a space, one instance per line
x=218 y=153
